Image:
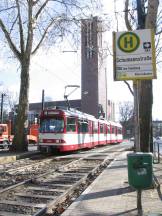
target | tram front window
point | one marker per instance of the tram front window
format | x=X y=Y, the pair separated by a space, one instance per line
x=54 y=125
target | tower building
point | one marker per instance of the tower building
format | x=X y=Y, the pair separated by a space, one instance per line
x=93 y=69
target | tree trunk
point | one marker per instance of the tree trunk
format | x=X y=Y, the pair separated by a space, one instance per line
x=145 y=114
x=20 y=137
x=146 y=95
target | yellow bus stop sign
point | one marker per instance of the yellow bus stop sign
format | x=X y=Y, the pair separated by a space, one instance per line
x=134 y=55
x=128 y=42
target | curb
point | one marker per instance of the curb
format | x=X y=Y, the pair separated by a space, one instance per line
x=12 y=157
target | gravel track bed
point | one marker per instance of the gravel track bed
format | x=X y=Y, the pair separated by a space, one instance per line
x=43 y=190
x=14 y=176
x=54 y=190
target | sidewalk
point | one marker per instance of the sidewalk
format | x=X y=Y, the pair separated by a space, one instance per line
x=110 y=194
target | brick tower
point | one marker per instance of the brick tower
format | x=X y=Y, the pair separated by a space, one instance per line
x=93 y=70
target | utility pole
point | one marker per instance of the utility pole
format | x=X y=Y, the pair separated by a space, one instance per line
x=43 y=99
x=2 y=98
x=106 y=116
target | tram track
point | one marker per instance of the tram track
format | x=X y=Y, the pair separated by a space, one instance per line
x=49 y=192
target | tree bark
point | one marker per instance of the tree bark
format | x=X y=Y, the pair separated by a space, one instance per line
x=146 y=94
x=145 y=114
x=20 y=138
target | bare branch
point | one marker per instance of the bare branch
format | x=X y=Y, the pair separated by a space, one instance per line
x=159 y=32
x=13 y=24
x=9 y=8
x=158 y=41
x=20 y=27
x=116 y=17
x=30 y=29
x=126 y=112
x=127 y=23
x=40 y=9
x=158 y=62
x=35 y=2
x=129 y=87
x=8 y=38
x=43 y=36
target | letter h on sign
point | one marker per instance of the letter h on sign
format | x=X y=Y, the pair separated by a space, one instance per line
x=128 y=42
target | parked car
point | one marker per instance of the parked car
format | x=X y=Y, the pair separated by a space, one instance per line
x=132 y=139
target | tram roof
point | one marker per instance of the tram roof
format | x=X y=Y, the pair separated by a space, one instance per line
x=79 y=114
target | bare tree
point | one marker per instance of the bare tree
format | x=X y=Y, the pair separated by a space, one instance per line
x=25 y=25
x=126 y=110
x=126 y=115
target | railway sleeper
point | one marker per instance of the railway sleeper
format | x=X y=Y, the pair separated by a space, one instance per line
x=61 y=181
x=45 y=189
x=55 y=185
x=19 y=207
x=72 y=175
x=76 y=171
x=97 y=158
x=37 y=197
x=18 y=203
x=45 y=192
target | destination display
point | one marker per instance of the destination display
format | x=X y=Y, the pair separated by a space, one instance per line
x=134 y=55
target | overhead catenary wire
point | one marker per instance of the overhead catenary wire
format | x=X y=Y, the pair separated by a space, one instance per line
x=52 y=73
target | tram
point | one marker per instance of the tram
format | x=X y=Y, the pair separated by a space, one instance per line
x=69 y=130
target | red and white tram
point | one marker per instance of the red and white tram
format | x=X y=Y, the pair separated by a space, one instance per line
x=68 y=130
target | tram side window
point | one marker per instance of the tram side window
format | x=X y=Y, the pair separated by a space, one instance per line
x=95 y=127
x=71 y=125
x=113 y=130
x=108 y=130
x=101 y=128
x=119 y=131
x=116 y=130
x=105 y=128
x=83 y=126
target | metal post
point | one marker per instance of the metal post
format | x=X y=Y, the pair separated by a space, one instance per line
x=2 y=97
x=136 y=85
x=43 y=99
x=106 y=92
x=139 y=204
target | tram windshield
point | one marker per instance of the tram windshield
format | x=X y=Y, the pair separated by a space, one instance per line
x=52 y=125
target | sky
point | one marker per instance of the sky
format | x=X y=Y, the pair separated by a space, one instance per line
x=54 y=68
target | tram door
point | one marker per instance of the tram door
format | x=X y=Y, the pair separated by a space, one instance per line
x=95 y=133
x=83 y=133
